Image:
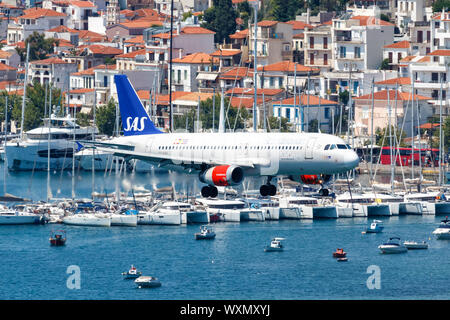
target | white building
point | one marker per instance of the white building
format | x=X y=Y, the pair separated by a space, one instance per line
x=409 y=11
x=358 y=42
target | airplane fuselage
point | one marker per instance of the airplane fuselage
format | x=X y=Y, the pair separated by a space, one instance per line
x=265 y=154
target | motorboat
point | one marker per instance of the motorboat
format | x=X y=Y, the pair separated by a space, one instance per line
x=12 y=216
x=339 y=253
x=375 y=227
x=269 y=207
x=57 y=136
x=133 y=273
x=88 y=220
x=363 y=205
x=206 y=233
x=58 y=238
x=433 y=203
x=393 y=246
x=222 y=210
x=275 y=245
x=127 y=218
x=301 y=207
x=412 y=245
x=443 y=231
x=147 y=282
x=165 y=213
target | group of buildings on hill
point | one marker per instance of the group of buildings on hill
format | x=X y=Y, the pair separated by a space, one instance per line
x=303 y=66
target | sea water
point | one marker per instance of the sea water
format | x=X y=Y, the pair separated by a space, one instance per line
x=233 y=266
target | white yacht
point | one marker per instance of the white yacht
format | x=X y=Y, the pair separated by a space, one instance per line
x=432 y=202
x=11 y=216
x=223 y=210
x=88 y=219
x=300 y=207
x=123 y=219
x=56 y=134
x=165 y=212
x=443 y=231
x=393 y=246
x=270 y=208
x=363 y=205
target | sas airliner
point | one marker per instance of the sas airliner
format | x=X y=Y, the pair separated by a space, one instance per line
x=222 y=159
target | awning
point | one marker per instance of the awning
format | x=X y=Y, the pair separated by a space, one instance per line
x=207 y=76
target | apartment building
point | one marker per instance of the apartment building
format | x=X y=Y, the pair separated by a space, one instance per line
x=318 y=47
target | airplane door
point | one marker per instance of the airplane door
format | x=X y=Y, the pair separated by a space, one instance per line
x=309 y=148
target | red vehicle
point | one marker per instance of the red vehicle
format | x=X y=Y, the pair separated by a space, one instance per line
x=404 y=156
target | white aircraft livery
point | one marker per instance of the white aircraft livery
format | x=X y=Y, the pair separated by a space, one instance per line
x=222 y=159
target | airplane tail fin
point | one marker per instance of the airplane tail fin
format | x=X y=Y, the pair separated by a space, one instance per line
x=135 y=119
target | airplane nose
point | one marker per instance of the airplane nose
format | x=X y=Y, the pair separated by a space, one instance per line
x=351 y=160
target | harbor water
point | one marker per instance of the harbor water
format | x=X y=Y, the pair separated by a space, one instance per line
x=233 y=266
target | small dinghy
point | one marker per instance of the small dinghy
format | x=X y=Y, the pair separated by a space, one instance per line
x=413 y=245
x=147 y=282
x=133 y=273
x=58 y=238
x=339 y=253
x=275 y=245
x=206 y=233
x=375 y=227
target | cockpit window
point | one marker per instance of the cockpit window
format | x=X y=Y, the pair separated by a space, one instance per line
x=333 y=146
x=348 y=147
x=327 y=147
x=342 y=146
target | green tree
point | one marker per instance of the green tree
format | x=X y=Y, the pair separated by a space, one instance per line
x=283 y=10
x=220 y=18
x=39 y=47
x=382 y=136
x=237 y=118
x=385 y=65
x=274 y=124
x=344 y=97
x=106 y=118
x=438 y=5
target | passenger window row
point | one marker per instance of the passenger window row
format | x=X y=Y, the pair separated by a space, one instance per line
x=229 y=147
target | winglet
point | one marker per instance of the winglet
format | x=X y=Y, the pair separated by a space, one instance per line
x=135 y=119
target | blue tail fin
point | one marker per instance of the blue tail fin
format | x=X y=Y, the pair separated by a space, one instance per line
x=135 y=119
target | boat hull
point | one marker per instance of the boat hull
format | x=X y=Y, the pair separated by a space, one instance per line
x=389 y=249
x=252 y=215
x=197 y=217
x=154 y=218
x=19 y=219
x=88 y=221
x=291 y=213
x=124 y=220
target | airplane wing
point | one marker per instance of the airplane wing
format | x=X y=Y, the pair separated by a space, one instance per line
x=129 y=152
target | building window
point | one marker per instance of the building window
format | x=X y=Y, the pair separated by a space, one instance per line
x=185 y=74
x=325 y=43
x=327 y=113
x=325 y=59
x=288 y=113
x=357 y=52
x=271 y=82
x=311 y=42
x=280 y=82
x=342 y=52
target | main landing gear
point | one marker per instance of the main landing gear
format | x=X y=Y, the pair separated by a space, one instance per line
x=268 y=189
x=209 y=191
x=324 y=192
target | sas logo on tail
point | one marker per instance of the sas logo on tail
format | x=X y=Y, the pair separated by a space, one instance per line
x=136 y=125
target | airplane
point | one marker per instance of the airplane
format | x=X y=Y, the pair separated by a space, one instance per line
x=224 y=159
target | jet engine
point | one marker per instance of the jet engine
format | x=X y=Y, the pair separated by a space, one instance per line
x=311 y=178
x=222 y=175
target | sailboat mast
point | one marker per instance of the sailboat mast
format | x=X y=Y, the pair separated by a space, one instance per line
x=24 y=92
x=4 y=145
x=73 y=153
x=390 y=140
x=255 y=69
x=412 y=130
x=440 y=136
x=93 y=149
x=48 y=139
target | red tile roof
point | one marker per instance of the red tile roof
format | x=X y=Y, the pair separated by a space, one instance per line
x=399 y=81
x=303 y=100
x=250 y=91
x=82 y=4
x=237 y=73
x=37 y=13
x=240 y=34
x=267 y=23
x=103 y=50
x=52 y=60
x=132 y=54
x=286 y=66
x=196 y=30
x=383 y=95
x=399 y=45
x=81 y=90
x=440 y=52
x=5 y=67
x=371 y=21
x=63 y=29
x=299 y=25
x=226 y=52
x=197 y=58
